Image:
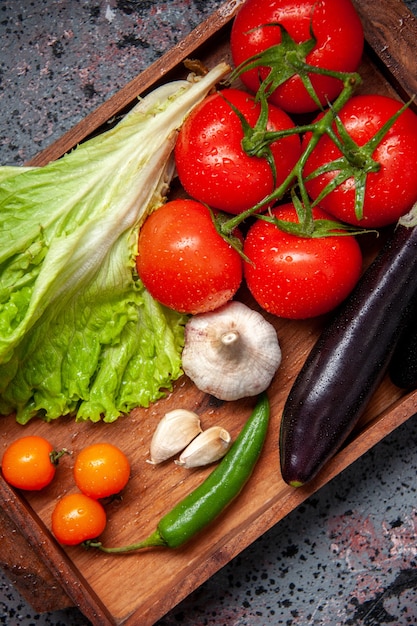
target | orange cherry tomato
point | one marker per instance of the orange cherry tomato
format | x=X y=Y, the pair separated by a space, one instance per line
x=101 y=470
x=28 y=463
x=77 y=518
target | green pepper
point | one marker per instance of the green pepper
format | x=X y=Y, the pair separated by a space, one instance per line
x=200 y=507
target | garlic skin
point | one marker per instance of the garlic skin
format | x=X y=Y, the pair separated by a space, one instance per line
x=232 y=352
x=208 y=447
x=173 y=433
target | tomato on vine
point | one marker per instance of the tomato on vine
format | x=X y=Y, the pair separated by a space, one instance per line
x=223 y=153
x=101 y=470
x=77 y=518
x=322 y=34
x=29 y=463
x=298 y=277
x=183 y=261
x=373 y=183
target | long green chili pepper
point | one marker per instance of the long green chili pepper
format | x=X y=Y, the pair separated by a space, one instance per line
x=210 y=498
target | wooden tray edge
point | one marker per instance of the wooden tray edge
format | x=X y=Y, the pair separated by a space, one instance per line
x=381 y=26
x=44 y=549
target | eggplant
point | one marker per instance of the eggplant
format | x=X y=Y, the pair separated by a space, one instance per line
x=402 y=369
x=349 y=359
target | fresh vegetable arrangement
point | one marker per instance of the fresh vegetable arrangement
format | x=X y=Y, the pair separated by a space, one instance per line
x=200 y=507
x=301 y=258
x=78 y=332
x=68 y=252
x=113 y=292
x=102 y=470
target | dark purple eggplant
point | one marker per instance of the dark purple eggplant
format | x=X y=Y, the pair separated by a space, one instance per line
x=349 y=359
x=403 y=364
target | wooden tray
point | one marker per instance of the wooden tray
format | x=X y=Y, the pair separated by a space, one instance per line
x=140 y=588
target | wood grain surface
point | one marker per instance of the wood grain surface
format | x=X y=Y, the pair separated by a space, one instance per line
x=139 y=588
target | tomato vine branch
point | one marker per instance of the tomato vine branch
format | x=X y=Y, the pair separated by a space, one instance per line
x=295 y=178
x=282 y=61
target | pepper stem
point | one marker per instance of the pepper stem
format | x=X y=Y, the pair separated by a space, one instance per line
x=153 y=540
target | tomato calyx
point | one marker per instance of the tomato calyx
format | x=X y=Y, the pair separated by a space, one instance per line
x=356 y=161
x=55 y=455
x=309 y=227
x=226 y=228
x=285 y=60
x=257 y=139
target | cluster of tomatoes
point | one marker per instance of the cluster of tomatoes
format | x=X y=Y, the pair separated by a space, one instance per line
x=185 y=260
x=100 y=470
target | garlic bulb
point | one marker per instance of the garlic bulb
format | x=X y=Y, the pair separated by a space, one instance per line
x=173 y=433
x=208 y=447
x=232 y=352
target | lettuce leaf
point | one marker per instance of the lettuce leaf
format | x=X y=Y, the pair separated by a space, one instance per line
x=79 y=334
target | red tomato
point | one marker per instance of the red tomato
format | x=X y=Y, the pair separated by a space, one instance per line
x=28 y=464
x=77 y=518
x=101 y=470
x=182 y=260
x=211 y=163
x=339 y=44
x=389 y=192
x=295 y=277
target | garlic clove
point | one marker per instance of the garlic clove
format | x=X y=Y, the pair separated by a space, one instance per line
x=173 y=433
x=232 y=352
x=208 y=447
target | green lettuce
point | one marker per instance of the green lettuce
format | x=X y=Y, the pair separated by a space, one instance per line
x=79 y=334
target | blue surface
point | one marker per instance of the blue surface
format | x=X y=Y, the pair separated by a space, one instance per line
x=348 y=555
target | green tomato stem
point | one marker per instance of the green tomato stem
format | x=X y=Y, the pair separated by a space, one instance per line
x=284 y=60
x=55 y=455
x=317 y=130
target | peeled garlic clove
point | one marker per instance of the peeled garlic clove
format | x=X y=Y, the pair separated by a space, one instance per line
x=210 y=446
x=232 y=352
x=173 y=433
